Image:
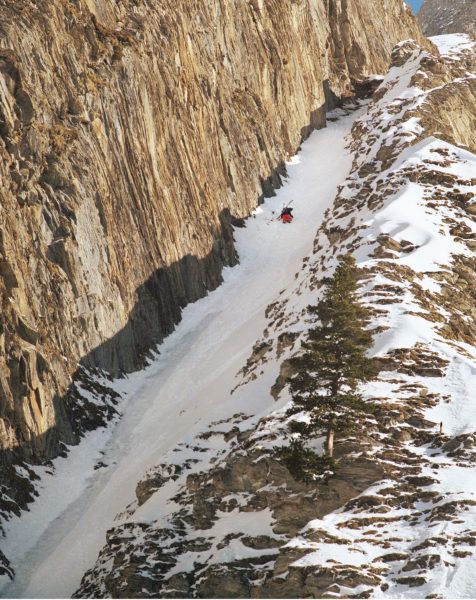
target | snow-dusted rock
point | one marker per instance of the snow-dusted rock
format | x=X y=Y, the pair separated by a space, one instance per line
x=438 y=17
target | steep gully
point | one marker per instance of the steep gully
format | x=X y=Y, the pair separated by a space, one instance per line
x=185 y=387
x=214 y=516
x=149 y=122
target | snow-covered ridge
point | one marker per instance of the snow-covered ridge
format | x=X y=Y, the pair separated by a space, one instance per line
x=407 y=212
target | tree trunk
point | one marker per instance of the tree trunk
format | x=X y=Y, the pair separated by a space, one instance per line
x=330 y=442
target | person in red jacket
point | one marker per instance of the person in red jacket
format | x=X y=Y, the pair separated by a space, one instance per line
x=286 y=215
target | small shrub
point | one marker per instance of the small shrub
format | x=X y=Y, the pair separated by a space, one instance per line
x=303 y=463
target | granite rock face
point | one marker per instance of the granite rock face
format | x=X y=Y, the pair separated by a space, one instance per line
x=448 y=16
x=132 y=136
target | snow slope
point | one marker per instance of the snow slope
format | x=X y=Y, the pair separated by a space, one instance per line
x=185 y=388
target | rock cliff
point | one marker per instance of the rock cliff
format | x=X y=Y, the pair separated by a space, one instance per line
x=133 y=135
x=448 y=16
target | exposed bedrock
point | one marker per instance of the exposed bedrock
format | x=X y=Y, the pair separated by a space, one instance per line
x=448 y=16
x=132 y=134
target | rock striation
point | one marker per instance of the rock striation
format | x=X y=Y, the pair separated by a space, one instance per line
x=448 y=16
x=133 y=135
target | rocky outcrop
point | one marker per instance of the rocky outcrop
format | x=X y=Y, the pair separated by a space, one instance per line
x=132 y=137
x=448 y=16
x=250 y=485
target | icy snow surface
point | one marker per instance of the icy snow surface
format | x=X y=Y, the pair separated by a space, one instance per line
x=185 y=388
x=453 y=43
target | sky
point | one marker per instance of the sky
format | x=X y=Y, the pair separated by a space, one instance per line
x=415 y=4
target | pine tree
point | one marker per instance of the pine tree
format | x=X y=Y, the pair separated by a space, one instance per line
x=334 y=362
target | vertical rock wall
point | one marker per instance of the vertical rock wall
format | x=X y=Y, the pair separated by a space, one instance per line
x=132 y=133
